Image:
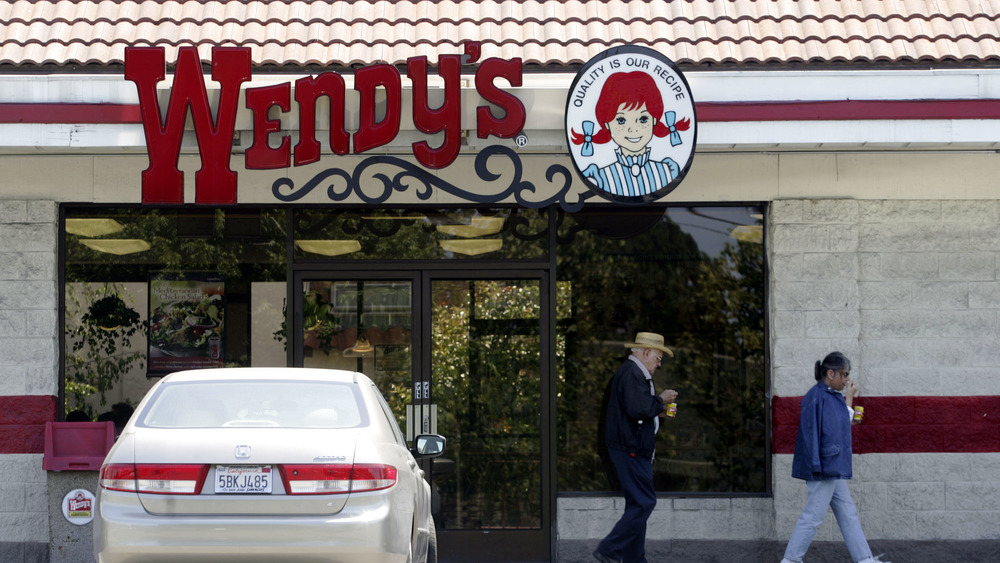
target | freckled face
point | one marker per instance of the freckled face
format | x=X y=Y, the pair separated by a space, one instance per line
x=632 y=128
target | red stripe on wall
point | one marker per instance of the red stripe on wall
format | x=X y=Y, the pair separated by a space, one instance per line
x=845 y=110
x=840 y=110
x=906 y=425
x=22 y=423
x=70 y=113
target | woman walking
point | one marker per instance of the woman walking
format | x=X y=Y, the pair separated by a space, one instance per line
x=823 y=459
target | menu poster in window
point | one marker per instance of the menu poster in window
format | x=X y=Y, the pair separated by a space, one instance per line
x=186 y=323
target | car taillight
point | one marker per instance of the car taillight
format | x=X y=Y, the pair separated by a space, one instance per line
x=372 y=477
x=320 y=479
x=156 y=478
x=118 y=477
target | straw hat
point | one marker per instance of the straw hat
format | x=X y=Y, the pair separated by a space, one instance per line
x=649 y=340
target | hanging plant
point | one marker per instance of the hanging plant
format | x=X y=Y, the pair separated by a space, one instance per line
x=100 y=352
x=111 y=313
x=318 y=318
x=319 y=324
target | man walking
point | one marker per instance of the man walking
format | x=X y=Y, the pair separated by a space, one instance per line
x=633 y=414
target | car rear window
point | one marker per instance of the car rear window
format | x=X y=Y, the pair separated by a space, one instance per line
x=255 y=403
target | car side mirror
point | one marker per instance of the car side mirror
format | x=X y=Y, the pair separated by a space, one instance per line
x=430 y=445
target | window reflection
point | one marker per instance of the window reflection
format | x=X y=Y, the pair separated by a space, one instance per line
x=695 y=275
x=213 y=279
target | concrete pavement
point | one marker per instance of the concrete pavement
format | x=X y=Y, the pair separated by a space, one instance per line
x=700 y=551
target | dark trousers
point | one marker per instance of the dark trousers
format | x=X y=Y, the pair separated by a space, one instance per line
x=627 y=540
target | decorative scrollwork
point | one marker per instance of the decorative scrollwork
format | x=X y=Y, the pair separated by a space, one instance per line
x=374 y=174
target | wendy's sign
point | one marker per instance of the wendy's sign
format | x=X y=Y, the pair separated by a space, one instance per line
x=630 y=124
x=215 y=182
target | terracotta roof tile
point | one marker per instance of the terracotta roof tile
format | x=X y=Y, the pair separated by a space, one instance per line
x=293 y=33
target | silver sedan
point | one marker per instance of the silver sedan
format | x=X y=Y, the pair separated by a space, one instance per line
x=265 y=464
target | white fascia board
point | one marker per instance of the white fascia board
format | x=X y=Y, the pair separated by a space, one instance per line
x=48 y=136
x=706 y=86
x=820 y=85
x=713 y=136
x=544 y=96
x=67 y=89
x=789 y=86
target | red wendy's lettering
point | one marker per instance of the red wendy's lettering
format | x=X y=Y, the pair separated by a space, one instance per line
x=371 y=133
x=162 y=182
x=447 y=117
x=307 y=91
x=215 y=182
x=513 y=122
x=260 y=101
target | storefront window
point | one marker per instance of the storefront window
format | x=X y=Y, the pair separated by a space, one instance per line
x=697 y=276
x=149 y=291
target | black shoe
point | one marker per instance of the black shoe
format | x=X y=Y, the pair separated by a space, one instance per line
x=604 y=558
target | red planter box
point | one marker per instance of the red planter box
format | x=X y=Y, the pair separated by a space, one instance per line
x=77 y=446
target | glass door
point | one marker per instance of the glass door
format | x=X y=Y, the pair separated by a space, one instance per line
x=360 y=324
x=459 y=356
x=486 y=375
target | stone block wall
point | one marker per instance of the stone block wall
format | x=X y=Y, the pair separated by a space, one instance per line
x=909 y=290
x=591 y=518
x=24 y=509
x=28 y=368
x=28 y=301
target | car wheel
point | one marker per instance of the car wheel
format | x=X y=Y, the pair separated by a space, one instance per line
x=432 y=545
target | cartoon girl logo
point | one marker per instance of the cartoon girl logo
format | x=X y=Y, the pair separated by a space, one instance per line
x=626 y=143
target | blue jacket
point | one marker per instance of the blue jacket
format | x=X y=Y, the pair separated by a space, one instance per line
x=823 y=444
x=632 y=410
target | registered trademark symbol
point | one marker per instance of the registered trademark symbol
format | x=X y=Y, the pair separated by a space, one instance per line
x=521 y=140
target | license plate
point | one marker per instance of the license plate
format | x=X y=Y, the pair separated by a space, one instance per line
x=243 y=478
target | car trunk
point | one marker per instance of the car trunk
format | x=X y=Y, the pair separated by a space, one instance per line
x=251 y=448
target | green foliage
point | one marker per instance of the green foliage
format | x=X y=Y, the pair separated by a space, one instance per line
x=181 y=241
x=318 y=321
x=318 y=317
x=710 y=308
x=486 y=370
x=100 y=340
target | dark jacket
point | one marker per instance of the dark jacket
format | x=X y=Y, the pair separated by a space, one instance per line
x=630 y=424
x=823 y=444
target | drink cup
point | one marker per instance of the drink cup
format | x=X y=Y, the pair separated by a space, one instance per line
x=214 y=347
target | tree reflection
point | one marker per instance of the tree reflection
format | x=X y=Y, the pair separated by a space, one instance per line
x=244 y=246
x=708 y=304
x=486 y=371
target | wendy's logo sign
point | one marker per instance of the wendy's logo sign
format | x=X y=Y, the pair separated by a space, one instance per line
x=631 y=125
x=78 y=506
x=377 y=85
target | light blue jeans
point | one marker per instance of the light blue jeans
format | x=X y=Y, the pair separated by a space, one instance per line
x=831 y=493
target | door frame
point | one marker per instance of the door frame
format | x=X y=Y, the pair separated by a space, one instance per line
x=475 y=546
x=461 y=546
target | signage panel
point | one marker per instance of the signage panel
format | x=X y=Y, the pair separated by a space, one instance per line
x=630 y=124
x=380 y=109
x=186 y=323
